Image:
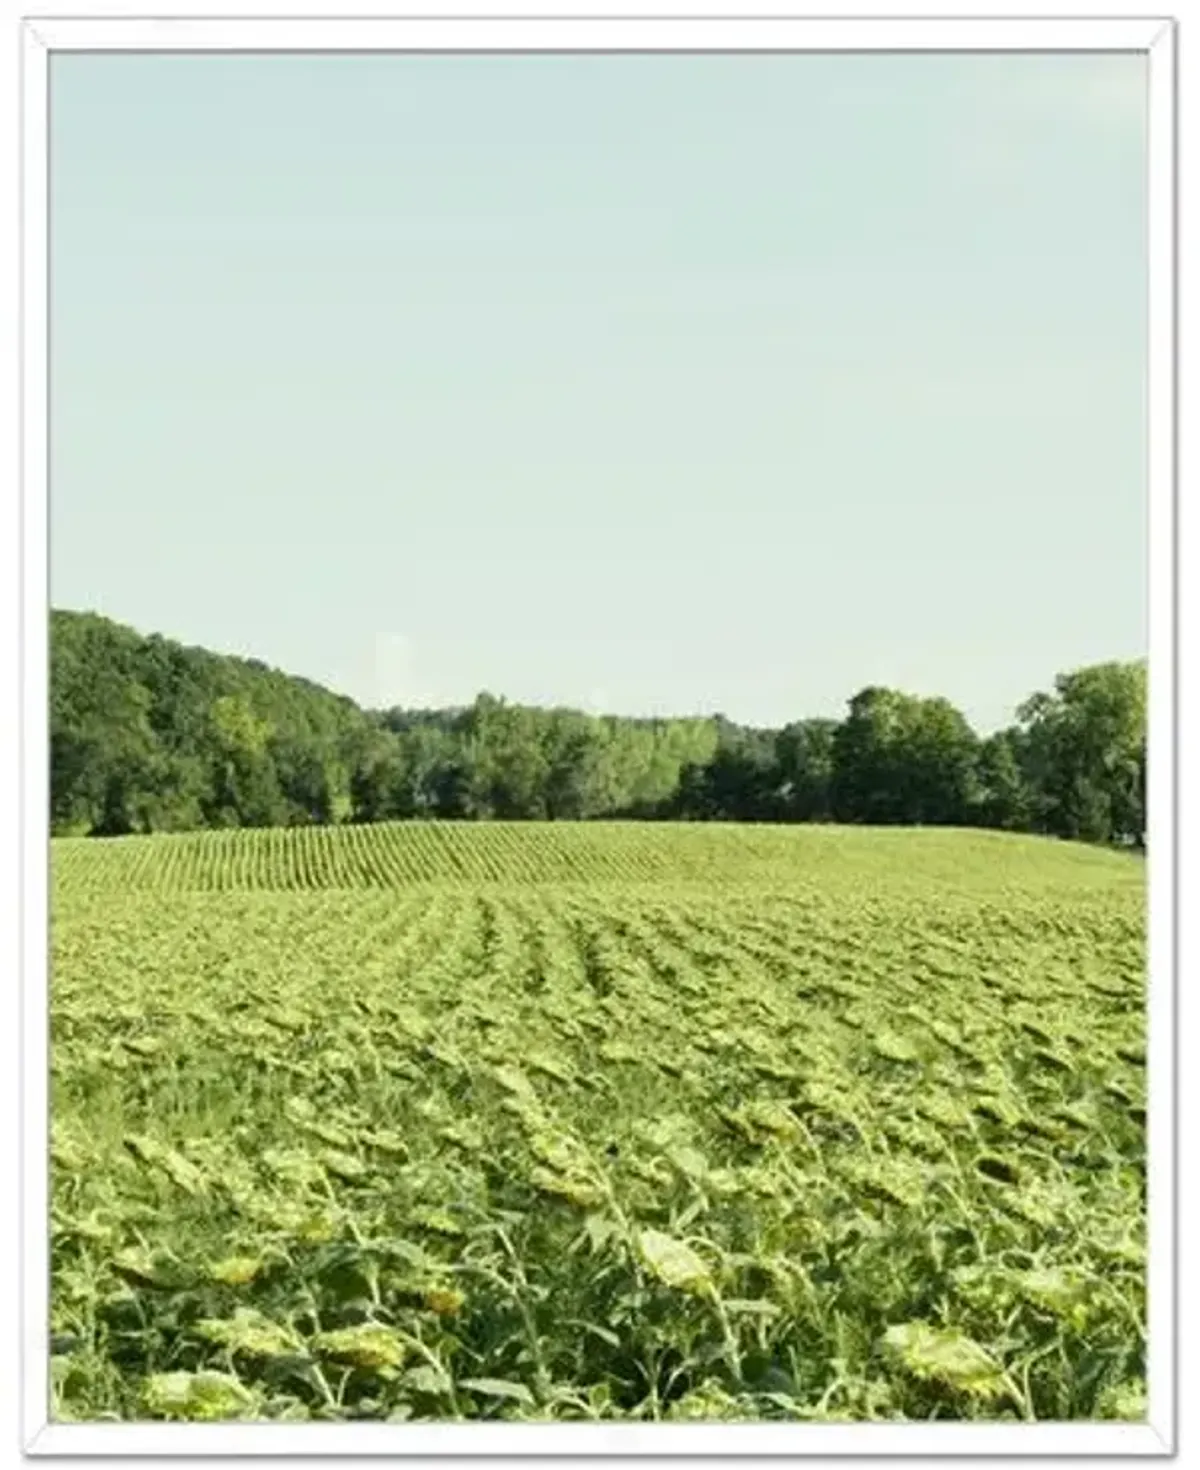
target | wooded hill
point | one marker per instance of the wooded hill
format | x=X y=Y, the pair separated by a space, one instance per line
x=147 y=735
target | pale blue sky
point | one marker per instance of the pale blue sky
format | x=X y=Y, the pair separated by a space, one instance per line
x=658 y=384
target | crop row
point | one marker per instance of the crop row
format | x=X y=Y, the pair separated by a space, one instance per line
x=656 y=1150
x=388 y=855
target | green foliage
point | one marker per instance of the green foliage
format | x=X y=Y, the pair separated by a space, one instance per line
x=804 y=759
x=947 y=1358
x=1086 y=748
x=674 y=1263
x=901 y=759
x=148 y=736
x=603 y=1121
x=1006 y=797
x=197 y=1397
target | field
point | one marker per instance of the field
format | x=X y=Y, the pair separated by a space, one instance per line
x=597 y=1121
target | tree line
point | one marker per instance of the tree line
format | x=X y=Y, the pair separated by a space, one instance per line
x=147 y=735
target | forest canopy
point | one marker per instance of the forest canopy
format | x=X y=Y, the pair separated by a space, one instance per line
x=147 y=735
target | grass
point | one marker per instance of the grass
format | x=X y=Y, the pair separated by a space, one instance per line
x=603 y=1121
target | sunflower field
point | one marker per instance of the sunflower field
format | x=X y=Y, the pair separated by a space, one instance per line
x=597 y=1121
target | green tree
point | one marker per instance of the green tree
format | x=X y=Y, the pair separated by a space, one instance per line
x=868 y=773
x=804 y=759
x=245 y=788
x=576 y=772
x=899 y=758
x=1086 y=745
x=941 y=753
x=146 y=735
x=102 y=744
x=1006 y=798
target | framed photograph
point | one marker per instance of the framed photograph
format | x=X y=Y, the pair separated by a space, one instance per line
x=598 y=716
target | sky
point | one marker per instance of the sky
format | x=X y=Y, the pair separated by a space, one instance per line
x=643 y=384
